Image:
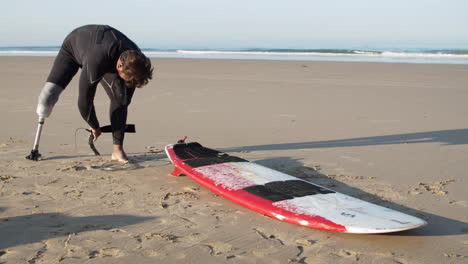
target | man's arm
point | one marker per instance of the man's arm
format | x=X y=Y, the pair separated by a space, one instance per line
x=120 y=95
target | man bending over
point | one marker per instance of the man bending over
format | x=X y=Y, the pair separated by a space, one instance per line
x=106 y=56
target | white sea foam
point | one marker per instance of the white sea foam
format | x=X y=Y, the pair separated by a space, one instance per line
x=417 y=56
x=356 y=53
x=423 y=55
x=267 y=53
x=27 y=52
x=244 y=52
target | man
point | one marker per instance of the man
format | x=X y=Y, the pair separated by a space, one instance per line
x=104 y=55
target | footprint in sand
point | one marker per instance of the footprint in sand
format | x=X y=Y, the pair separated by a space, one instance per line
x=173 y=198
x=74 y=194
x=347 y=254
x=305 y=242
x=436 y=188
x=11 y=141
x=269 y=237
x=117 y=166
x=376 y=257
x=153 y=150
x=104 y=165
x=459 y=203
x=74 y=168
x=219 y=248
x=150 y=253
x=149 y=236
x=5 y=178
x=192 y=189
x=106 y=252
x=455 y=256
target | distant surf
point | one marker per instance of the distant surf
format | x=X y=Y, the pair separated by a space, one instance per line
x=29 y=51
x=427 y=56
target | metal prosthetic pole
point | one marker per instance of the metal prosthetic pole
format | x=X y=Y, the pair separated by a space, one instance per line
x=47 y=98
x=35 y=155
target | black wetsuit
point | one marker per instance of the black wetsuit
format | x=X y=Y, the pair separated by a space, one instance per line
x=95 y=49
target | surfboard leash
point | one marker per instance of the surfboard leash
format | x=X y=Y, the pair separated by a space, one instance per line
x=129 y=128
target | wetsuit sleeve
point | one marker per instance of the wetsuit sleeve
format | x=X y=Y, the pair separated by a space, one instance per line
x=120 y=96
x=87 y=91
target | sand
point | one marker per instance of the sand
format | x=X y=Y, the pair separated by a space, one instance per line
x=392 y=134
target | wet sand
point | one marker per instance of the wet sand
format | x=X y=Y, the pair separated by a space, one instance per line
x=392 y=134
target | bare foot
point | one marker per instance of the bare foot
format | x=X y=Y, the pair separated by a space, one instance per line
x=118 y=154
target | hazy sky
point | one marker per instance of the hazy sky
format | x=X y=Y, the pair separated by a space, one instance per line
x=243 y=24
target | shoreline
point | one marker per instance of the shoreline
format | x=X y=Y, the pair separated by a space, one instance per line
x=259 y=60
x=418 y=61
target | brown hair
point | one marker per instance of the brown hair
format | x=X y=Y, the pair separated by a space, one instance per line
x=137 y=67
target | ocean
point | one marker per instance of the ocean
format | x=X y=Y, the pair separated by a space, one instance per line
x=421 y=55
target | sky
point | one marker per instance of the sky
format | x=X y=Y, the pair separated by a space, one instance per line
x=244 y=23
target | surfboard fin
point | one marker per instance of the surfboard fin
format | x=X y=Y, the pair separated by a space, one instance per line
x=176 y=172
x=182 y=141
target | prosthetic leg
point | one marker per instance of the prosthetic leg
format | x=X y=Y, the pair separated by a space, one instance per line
x=35 y=155
x=47 y=99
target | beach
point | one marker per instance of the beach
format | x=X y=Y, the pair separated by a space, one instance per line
x=393 y=134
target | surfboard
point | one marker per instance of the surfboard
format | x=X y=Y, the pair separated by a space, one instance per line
x=282 y=196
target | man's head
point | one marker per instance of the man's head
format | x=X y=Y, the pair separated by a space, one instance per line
x=134 y=68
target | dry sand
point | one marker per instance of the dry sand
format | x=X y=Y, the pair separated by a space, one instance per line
x=392 y=134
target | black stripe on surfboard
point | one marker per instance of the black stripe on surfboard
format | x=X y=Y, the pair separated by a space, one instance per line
x=195 y=155
x=194 y=150
x=212 y=160
x=286 y=190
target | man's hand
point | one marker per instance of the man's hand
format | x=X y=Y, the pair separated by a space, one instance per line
x=96 y=133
